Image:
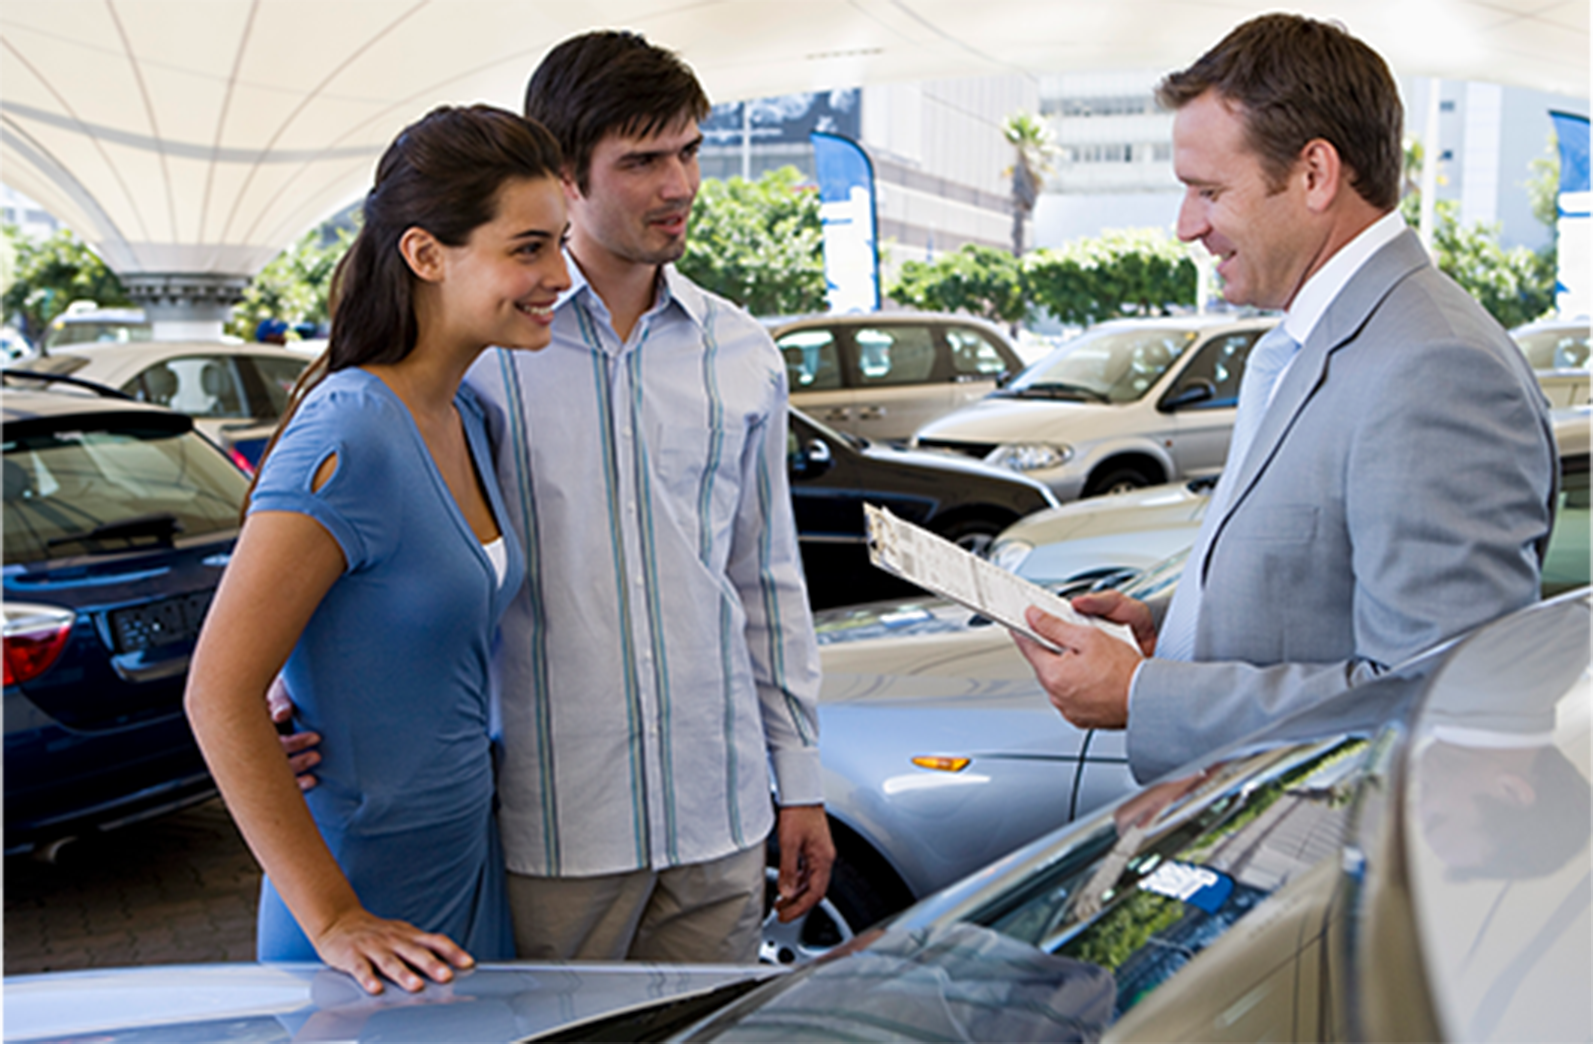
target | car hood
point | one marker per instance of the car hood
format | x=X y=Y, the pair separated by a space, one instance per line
x=210 y=1002
x=1130 y=530
x=997 y=419
x=948 y=463
x=1155 y=507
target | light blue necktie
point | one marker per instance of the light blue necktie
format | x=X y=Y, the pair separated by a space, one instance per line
x=1268 y=359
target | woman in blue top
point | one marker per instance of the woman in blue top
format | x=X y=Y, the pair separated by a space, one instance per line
x=373 y=565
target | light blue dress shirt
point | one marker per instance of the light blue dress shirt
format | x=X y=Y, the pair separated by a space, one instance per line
x=660 y=661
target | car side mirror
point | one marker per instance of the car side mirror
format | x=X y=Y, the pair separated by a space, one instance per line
x=1199 y=389
x=812 y=460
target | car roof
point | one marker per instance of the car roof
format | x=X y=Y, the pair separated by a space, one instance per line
x=154 y=351
x=1578 y=323
x=1572 y=426
x=23 y=404
x=776 y=324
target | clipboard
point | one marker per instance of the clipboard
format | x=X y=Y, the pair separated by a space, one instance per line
x=936 y=564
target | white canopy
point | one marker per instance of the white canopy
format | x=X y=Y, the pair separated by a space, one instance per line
x=202 y=136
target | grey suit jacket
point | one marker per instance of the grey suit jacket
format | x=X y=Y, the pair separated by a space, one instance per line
x=1397 y=494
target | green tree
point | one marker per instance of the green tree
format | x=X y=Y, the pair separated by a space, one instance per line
x=1543 y=185
x=294 y=285
x=49 y=274
x=980 y=280
x=8 y=257
x=1034 y=147
x=759 y=243
x=1120 y=272
x=1515 y=286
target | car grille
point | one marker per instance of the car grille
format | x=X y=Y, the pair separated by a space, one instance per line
x=977 y=450
x=155 y=624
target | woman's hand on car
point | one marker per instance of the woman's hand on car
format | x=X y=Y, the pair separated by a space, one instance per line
x=371 y=948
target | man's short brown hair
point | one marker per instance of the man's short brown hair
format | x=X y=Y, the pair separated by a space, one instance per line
x=610 y=82
x=1294 y=80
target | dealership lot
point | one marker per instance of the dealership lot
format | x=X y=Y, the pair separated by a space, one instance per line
x=173 y=890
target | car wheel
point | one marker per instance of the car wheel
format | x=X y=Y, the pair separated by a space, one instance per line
x=850 y=905
x=974 y=535
x=1116 y=480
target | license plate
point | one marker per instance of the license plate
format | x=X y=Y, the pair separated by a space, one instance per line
x=165 y=622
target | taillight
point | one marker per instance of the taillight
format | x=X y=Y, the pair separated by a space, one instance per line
x=239 y=459
x=34 y=637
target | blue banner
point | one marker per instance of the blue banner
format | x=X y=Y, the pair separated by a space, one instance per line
x=1574 y=280
x=846 y=206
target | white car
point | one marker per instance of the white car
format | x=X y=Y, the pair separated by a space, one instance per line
x=1126 y=404
x=1095 y=538
x=234 y=392
x=883 y=375
x=1558 y=352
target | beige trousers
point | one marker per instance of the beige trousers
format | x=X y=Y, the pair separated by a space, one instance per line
x=702 y=913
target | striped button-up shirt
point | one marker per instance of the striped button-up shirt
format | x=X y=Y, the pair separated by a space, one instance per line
x=660 y=662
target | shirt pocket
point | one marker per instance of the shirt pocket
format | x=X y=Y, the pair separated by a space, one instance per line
x=693 y=462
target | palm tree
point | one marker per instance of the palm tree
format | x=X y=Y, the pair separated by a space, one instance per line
x=1034 y=146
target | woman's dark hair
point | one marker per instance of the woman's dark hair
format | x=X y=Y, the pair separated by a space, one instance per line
x=442 y=174
x=610 y=82
x=1294 y=80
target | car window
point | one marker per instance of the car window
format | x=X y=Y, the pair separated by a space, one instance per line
x=894 y=354
x=62 y=486
x=278 y=375
x=812 y=360
x=1112 y=365
x=1555 y=349
x=198 y=385
x=1166 y=874
x=1222 y=362
x=1566 y=562
x=972 y=354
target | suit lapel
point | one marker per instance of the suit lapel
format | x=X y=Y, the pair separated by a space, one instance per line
x=1338 y=328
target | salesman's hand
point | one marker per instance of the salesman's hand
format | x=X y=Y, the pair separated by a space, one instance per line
x=298 y=746
x=1088 y=681
x=806 y=855
x=1120 y=608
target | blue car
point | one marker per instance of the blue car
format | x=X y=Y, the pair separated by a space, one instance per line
x=119 y=519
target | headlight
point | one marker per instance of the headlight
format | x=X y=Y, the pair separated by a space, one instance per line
x=1030 y=456
x=1010 y=554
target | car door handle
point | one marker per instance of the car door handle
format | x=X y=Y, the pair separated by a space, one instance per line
x=870 y=412
x=837 y=413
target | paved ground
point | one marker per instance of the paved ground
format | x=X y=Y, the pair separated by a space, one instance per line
x=178 y=889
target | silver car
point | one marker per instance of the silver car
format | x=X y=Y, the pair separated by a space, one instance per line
x=1558 y=352
x=883 y=375
x=939 y=746
x=1126 y=404
x=234 y=392
x=1096 y=539
x=1407 y=861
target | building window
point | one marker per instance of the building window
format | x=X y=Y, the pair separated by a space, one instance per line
x=1106 y=105
x=1120 y=152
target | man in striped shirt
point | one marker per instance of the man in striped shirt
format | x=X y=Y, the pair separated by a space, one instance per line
x=660 y=663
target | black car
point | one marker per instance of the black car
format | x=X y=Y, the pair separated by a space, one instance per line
x=832 y=475
x=119 y=519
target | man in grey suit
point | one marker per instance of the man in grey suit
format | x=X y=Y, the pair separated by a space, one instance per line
x=1391 y=476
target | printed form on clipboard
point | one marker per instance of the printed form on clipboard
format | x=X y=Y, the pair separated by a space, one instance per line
x=937 y=565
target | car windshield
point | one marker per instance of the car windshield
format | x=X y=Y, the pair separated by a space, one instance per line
x=1555 y=349
x=1070 y=947
x=96 y=490
x=1110 y=364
